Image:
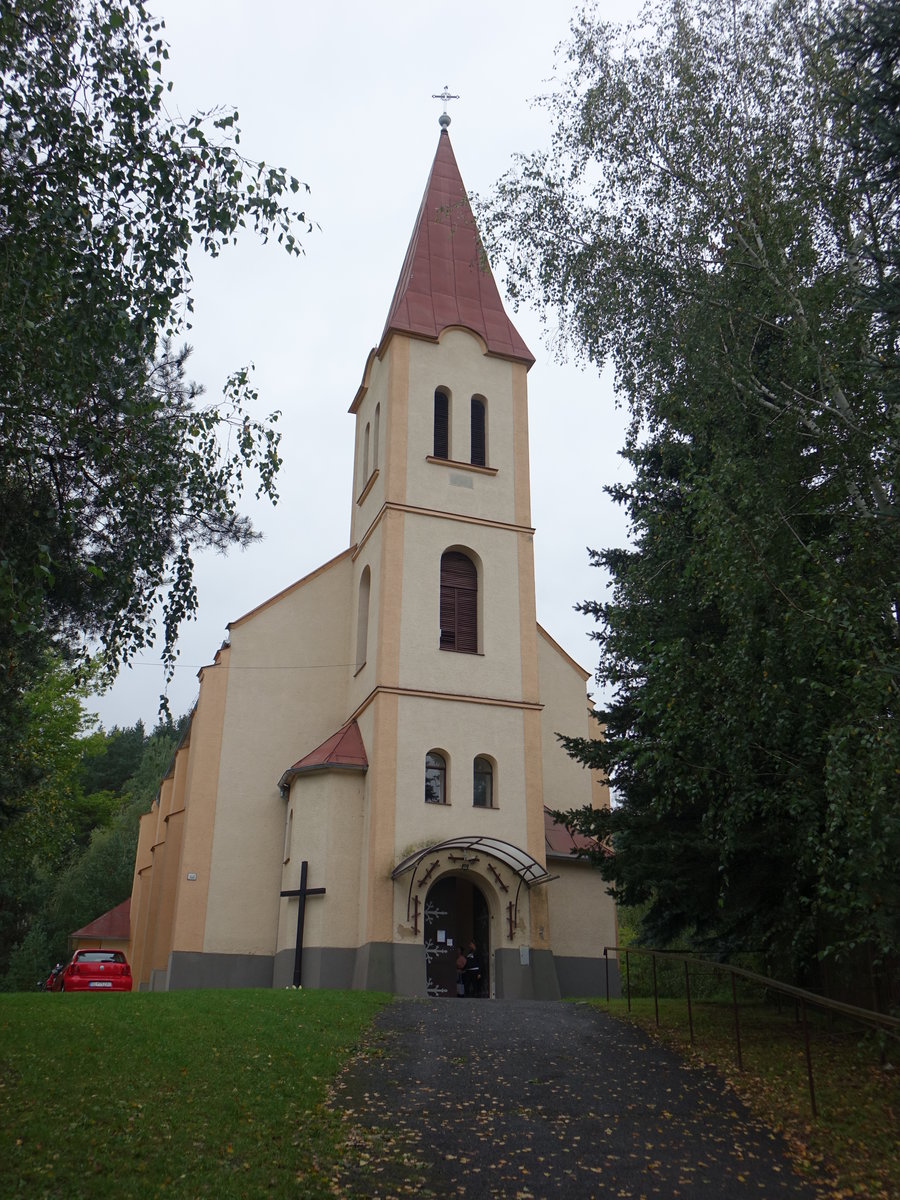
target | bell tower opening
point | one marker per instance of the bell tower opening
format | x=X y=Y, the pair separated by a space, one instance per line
x=456 y=914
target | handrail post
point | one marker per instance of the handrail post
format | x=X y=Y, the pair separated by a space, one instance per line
x=628 y=980
x=655 y=992
x=606 y=964
x=809 y=1070
x=687 y=991
x=737 y=1020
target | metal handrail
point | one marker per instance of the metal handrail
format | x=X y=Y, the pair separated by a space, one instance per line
x=802 y=998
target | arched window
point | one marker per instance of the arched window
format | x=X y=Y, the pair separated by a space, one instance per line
x=479 y=440
x=441 y=424
x=365 y=474
x=483 y=783
x=362 y=617
x=459 y=603
x=376 y=431
x=435 y=778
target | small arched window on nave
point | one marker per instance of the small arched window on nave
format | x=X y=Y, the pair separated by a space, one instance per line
x=482 y=783
x=435 y=778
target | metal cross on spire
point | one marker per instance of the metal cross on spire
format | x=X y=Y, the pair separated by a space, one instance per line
x=445 y=95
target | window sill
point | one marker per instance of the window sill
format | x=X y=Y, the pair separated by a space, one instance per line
x=453 y=650
x=370 y=483
x=461 y=466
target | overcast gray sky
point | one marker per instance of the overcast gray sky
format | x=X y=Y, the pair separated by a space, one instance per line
x=340 y=94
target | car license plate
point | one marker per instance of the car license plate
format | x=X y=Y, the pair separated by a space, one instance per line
x=104 y=983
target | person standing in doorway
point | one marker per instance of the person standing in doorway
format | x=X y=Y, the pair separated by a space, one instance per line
x=472 y=973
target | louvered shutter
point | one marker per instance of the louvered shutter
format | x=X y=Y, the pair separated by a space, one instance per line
x=479 y=458
x=448 y=617
x=459 y=603
x=441 y=425
x=467 y=620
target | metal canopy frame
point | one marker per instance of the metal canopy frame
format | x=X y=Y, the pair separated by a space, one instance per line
x=528 y=870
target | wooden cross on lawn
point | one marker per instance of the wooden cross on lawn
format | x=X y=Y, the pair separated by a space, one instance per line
x=301 y=893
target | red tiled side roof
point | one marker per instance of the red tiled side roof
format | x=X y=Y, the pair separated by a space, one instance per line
x=114 y=924
x=560 y=841
x=445 y=278
x=343 y=749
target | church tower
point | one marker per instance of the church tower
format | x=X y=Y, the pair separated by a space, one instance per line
x=424 y=763
x=442 y=520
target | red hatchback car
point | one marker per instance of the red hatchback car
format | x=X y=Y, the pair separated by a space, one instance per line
x=95 y=971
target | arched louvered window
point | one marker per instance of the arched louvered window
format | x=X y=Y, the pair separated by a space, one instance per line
x=479 y=443
x=441 y=424
x=483 y=783
x=435 y=778
x=459 y=603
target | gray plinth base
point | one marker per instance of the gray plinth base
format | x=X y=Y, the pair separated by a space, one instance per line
x=189 y=970
x=529 y=976
x=587 y=977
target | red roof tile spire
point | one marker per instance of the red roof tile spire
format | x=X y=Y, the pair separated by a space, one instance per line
x=445 y=278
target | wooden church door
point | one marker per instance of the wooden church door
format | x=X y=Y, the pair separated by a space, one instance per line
x=456 y=913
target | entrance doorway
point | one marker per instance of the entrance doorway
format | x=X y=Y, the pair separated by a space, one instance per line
x=456 y=913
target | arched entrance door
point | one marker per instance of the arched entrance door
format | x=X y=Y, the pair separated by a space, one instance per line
x=456 y=913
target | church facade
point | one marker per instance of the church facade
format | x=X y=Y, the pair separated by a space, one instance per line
x=373 y=751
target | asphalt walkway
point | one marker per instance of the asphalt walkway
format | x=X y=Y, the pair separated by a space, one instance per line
x=532 y=1099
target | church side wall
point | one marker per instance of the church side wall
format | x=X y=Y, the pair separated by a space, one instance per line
x=168 y=856
x=156 y=881
x=326 y=831
x=287 y=692
x=201 y=784
x=140 y=892
x=566 y=783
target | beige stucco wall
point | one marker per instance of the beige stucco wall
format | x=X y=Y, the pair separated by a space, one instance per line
x=459 y=366
x=497 y=671
x=369 y=493
x=563 y=690
x=327 y=832
x=201 y=784
x=287 y=692
x=582 y=915
x=460 y=731
x=140 y=890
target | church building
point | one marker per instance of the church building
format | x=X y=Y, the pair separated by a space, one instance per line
x=365 y=784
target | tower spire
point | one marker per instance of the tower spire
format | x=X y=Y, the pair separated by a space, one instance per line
x=446 y=279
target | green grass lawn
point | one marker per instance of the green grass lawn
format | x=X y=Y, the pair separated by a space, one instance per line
x=854 y=1143
x=224 y=1094
x=207 y=1093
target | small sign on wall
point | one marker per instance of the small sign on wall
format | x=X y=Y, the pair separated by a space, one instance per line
x=192 y=876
